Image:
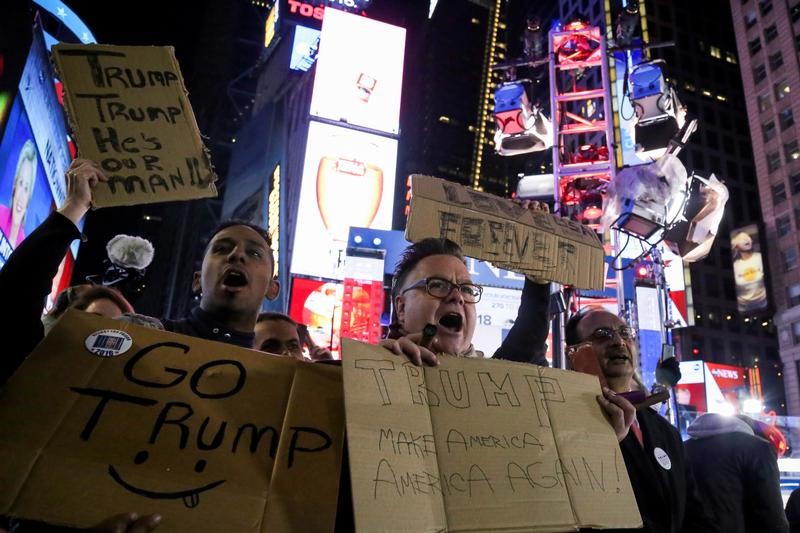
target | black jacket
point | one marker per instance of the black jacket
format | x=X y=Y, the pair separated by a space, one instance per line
x=526 y=341
x=25 y=282
x=737 y=474
x=665 y=489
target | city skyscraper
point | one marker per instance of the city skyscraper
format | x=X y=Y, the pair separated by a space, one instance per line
x=767 y=39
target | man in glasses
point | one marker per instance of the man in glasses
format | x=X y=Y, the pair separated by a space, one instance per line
x=653 y=450
x=432 y=285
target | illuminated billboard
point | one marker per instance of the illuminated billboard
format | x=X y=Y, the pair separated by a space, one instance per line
x=318 y=305
x=748 y=269
x=495 y=314
x=304 y=48
x=359 y=74
x=348 y=180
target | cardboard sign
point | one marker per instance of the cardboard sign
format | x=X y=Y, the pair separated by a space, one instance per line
x=105 y=417
x=479 y=445
x=500 y=231
x=128 y=111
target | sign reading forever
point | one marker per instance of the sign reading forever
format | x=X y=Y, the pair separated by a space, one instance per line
x=105 y=417
x=479 y=445
x=129 y=112
x=502 y=232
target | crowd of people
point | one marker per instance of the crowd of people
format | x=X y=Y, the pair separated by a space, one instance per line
x=724 y=479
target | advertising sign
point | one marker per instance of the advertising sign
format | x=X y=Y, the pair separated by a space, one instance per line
x=709 y=387
x=348 y=180
x=312 y=12
x=318 y=305
x=359 y=74
x=748 y=269
x=304 y=48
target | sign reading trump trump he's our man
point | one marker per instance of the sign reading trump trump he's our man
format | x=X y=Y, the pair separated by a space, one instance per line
x=105 y=417
x=128 y=111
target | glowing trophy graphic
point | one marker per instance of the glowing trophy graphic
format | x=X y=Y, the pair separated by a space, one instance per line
x=349 y=193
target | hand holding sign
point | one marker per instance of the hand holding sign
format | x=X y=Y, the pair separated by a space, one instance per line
x=82 y=177
x=509 y=235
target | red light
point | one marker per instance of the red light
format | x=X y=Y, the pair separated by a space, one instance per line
x=695 y=351
x=641 y=271
x=592 y=213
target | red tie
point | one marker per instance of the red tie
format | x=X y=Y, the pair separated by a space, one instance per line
x=638 y=432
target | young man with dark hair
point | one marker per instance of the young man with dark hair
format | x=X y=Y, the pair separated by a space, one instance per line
x=654 y=455
x=279 y=334
x=235 y=278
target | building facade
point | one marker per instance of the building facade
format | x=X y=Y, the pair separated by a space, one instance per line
x=768 y=39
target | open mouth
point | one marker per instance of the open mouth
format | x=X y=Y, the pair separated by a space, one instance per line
x=452 y=321
x=234 y=278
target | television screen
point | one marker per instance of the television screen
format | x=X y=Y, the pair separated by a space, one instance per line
x=25 y=197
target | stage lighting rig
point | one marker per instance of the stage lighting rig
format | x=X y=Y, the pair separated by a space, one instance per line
x=660 y=115
x=521 y=127
x=644 y=201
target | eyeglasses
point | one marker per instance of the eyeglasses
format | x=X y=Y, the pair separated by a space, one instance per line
x=601 y=334
x=441 y=288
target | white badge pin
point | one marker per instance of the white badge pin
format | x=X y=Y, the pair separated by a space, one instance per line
x=662 y=458
x=108 y=342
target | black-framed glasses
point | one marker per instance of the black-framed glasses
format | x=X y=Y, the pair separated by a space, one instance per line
x=601 y=334
x=441 y=288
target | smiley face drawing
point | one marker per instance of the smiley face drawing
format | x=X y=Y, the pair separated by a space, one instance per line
x=190 y=497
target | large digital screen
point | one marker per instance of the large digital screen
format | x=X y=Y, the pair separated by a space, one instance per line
x=25 y=197
x=348 y=180
x=37 y=89
x=34 y=156
x=496 y=313
x=748 y=269
x=304 y=48
x=318 y=305
x=359 y=74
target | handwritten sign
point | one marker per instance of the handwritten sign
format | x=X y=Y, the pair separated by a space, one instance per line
x=128 y=110
x=106 y=417
x=498 y=230
x=479 y=445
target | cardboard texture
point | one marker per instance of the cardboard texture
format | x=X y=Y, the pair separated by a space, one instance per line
x=213 y=437
x=497 y=230
x=129 y=111
x=479 y=445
